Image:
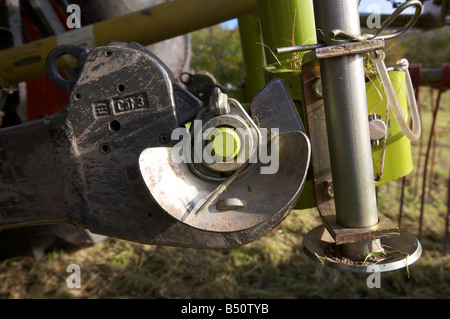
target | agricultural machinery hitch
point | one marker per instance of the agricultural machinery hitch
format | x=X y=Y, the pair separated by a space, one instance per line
x=114 y=161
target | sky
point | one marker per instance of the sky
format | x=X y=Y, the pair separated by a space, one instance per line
x=385 y=7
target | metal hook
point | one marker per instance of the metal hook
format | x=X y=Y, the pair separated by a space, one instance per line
x=413 y=3
x=52 y=69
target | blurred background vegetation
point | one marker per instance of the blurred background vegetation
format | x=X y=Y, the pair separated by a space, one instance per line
x=431 y=49
x=218 y=51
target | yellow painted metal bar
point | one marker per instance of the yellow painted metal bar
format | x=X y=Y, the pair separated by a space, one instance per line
x=145 y=26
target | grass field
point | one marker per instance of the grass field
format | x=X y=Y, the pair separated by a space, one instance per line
x=272 y=267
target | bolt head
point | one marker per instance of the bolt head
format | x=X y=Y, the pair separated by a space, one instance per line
x=377 y=128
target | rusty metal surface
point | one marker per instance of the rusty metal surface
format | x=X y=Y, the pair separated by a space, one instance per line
x=349 y=48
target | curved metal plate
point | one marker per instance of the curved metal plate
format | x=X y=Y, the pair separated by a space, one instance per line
x=178 y=191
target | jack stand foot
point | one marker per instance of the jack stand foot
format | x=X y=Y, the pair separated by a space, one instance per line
x=398 y=252
x=359 y=250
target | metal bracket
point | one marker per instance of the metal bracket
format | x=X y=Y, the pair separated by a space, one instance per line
x=320 y=51
x=349 y=48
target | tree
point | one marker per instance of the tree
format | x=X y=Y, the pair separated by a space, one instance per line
x=431 y=48
x=218 y=51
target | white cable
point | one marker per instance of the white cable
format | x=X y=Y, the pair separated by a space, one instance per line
x=413 y=134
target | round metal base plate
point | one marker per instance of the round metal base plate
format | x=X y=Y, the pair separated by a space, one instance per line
x=400 y=251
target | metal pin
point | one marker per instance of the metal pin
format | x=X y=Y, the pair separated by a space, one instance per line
x=299 y=48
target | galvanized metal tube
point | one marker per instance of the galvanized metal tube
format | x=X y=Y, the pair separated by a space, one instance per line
x=145 y=26
x=347 y=122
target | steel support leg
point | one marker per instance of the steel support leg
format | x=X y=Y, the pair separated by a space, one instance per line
x=347 y=123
